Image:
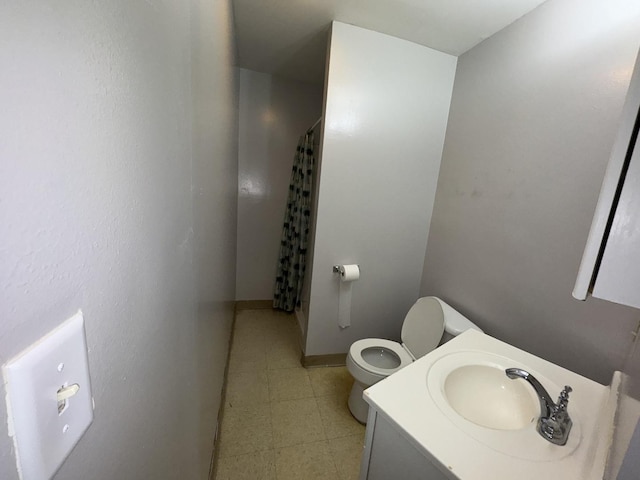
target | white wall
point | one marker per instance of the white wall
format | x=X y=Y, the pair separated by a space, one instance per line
x=274 y=113
x=96 y=213
x=534 y=114
x=214 y=175
x=385 y=117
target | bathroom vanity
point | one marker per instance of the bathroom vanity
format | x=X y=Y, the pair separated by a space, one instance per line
x=454 y=414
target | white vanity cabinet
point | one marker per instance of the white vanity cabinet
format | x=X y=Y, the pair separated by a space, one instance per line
x=610 y=267
x=414 y=432
x=389 y=455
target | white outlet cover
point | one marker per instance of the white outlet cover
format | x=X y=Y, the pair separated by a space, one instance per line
x=42 y=437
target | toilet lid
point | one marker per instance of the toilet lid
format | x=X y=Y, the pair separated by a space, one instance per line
x=368 y=355
x=423 y=326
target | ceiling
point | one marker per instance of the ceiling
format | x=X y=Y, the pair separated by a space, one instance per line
x=289 y=37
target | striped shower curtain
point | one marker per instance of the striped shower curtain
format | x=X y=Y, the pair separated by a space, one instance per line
x=295 y=232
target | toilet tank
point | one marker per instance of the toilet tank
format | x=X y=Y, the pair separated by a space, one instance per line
x=455 y=323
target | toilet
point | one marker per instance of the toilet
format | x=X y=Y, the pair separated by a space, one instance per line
x=429 y=323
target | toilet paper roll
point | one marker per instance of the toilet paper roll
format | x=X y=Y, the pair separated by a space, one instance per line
x=348 y=274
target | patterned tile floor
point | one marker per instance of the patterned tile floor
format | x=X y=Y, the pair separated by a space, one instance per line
x=282 y=421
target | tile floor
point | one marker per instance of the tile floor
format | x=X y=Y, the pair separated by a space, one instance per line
x=282 y=421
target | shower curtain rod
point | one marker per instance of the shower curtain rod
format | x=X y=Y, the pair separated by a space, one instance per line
x=314 y=125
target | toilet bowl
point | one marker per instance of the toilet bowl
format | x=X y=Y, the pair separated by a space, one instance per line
x=429 y=323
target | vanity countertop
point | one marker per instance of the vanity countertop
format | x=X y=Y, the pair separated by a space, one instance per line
x=467 y=451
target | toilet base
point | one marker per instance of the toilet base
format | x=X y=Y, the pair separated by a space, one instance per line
x=357 y=406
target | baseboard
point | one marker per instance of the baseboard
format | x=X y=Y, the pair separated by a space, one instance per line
x=331 y=360
x=213 y=465
x=253 y=304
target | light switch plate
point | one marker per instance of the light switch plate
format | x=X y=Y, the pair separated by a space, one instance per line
x=45 y=430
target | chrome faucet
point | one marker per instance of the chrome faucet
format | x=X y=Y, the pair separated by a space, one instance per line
x=554 y=423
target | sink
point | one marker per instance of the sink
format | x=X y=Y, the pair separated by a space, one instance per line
x=484 y=395
x=473 y=392
x=457 y=407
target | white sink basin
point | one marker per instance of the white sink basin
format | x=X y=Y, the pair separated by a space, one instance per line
x=485 y=396
x=472 y=390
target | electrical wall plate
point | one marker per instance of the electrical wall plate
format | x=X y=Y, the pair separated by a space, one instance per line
x=49 y=402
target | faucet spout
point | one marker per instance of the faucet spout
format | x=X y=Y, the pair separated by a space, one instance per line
x=554 y=423
x=546 y=404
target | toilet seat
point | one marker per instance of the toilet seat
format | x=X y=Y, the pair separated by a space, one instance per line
x=356 y=354
x=428 y=323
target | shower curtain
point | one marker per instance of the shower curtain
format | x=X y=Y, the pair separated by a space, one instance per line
x=295 y=232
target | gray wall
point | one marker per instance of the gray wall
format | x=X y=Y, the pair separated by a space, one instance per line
x=97 y=212
x=533 y=118
x=623 y=455
x=274 y=113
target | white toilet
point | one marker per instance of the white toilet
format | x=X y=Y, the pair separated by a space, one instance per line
x=373 y=359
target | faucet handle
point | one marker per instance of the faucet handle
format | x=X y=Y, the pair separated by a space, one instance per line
x=563 y=399
x=559 y=411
